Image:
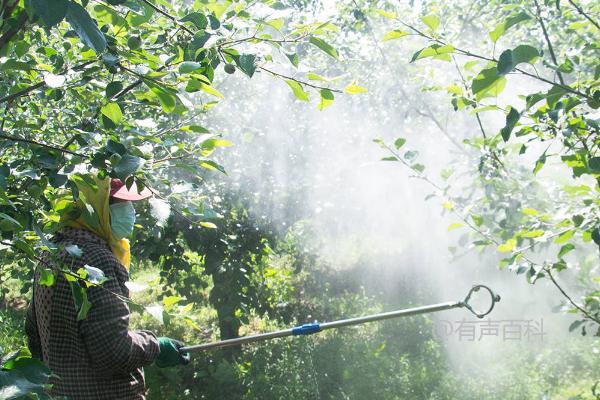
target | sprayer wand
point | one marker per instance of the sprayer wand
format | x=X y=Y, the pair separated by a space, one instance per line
x=308 y=329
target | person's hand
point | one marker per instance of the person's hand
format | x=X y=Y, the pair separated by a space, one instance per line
x=170 y=355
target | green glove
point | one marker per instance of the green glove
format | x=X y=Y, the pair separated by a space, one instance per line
x=170 y=355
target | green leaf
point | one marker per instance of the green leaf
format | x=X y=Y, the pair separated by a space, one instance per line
x=134 y=42
x=418 y=167
x=565 y=249
x=554 y=95
x=355 y=89
x=539 y=163
x=74 y=250
x=399 y=143
x=297 y=90
x=127 y=166
x=488 y=83
x=14 y=385
x=213 y=166
x=170 y=301
x=432 y=21
x=211 y=143
x=455 y=225
x=511 y=20
x=395 y=34
x=167 y=100
x=95 y=275
x=8 y=223
x=50 y=11
x=214 y=22
x=436 y=51
x=189 y=66
x=113 y=112
x=511 y=120
x=46 y=277
x=86 y=28
x=326 y=47
x=113 y=88
x=211 y=90
x=594 y=164
x=247 y=63
x=80 y=298
x=477 y=219
x=315 y=77
x=293 y=57
x=564 y=237
x=387 y=14
x=326 y=99
x=533 y=234
x=509 y=59
x=196 y=18
x=195 y=128
x=14 y=65
x=575 y=325
x=595 y=235
x=509 y=245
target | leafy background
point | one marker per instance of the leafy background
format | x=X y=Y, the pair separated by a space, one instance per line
x=260 y=125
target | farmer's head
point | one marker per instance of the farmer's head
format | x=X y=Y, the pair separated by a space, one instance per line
x=106 y=207
x=122 y=212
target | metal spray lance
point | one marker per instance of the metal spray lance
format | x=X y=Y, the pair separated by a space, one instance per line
x=308 y=329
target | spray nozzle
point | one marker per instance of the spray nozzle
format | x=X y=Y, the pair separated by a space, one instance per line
x=495 y=298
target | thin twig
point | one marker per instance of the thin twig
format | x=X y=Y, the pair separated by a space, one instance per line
x=170 y=158
x=8 y=35
x=480 y=57
x=66 y=272
x=427 y=113
x=584 y=14
x=298 y=81
x=254 y=37
x=548 y=42
x=169 y=16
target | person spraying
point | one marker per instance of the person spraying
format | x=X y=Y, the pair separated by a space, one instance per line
x=95 y=357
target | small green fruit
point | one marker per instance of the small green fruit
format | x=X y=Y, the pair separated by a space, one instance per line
x=134 y=42
x=229 y=68
x=115 y=159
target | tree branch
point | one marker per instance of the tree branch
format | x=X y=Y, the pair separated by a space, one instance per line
x=577 y=306
x=8 y=35
x=584 y=14
x=169 y=16
x=66 y=272
x=40 y=84
x=478 y=56
x=135 y=83
x=48 y=146
x=23 y=92
x=254 y=37
x=548 y=42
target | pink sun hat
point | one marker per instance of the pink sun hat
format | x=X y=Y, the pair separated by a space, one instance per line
x=118 y=190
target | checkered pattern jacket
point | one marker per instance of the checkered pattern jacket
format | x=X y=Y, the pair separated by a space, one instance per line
x=99 y=357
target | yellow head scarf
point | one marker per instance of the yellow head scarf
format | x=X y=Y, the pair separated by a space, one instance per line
x=94 y=202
